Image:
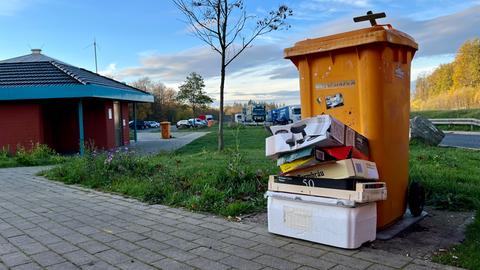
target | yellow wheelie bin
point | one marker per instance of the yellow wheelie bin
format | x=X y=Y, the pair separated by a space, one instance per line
x=362 y=78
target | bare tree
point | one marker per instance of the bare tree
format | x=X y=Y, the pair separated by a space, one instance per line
x=227 y=28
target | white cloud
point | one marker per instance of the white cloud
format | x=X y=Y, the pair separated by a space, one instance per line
x=425 y=65
x=445 y=34
x=110 y=70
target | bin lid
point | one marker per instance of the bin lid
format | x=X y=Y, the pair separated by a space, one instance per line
x=363 y=36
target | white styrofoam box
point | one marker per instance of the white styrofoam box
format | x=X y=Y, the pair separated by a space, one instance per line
x=334 y=222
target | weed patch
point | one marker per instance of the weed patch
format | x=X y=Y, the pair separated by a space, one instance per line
x=39 y=154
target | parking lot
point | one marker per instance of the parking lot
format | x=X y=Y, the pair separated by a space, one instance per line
x=149 y=141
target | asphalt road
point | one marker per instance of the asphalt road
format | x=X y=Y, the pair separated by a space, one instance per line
x=462 y=139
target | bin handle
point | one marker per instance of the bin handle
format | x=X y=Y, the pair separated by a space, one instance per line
x=372 y=17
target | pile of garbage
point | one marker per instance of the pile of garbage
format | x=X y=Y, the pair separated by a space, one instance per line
x=325 y=178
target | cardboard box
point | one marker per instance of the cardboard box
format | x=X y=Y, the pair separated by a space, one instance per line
x=347 y=183
x=298 y=164
x=289 y=157
x=322 y=220
x=337 y=153
x=321 y=131
x=364 y=192
x=348 y=168
x=358 y=142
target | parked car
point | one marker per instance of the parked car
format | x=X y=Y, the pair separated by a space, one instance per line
x=197 y=122
x=140 y=125
x=152 y=124
x=183 y=124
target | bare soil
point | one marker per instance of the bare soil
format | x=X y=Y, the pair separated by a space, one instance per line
x=434 y=234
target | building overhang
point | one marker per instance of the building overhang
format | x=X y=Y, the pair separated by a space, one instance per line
x=72 y=91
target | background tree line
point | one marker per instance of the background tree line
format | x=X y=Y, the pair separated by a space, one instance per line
x=169 y=104
x=454 y=85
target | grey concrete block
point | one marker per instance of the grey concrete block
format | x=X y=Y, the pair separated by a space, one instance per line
x=28 y=266
x=135 y=265
x=209 y=253
x=80 y=257
x=146 y=255
x=169 y=264
x=240 y=263
x=63 y=266
x=353 y=263
x=47 y=258
x=311 y=261
x=276 y=262
x=177 y=254
x=181 y=244
x=93 y=246
x=310 y=251
x=152 y=244
x=14 y=259
x=383 y=257
x=123 y=245
x=206 y=264
x=62 y=247
x=113 y=257
x=245 y=243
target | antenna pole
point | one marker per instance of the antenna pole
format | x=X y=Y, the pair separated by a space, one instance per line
x=95 y=51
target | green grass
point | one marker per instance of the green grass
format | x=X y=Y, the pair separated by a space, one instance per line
x=470 y=113
x=38 y=155
x=451 y=176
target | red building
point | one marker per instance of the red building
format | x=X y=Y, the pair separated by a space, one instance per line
x=46 y=101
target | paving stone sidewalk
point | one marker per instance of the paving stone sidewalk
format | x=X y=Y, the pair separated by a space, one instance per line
x=48 y=225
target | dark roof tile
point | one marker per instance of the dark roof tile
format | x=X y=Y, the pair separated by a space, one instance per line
x=41 y=70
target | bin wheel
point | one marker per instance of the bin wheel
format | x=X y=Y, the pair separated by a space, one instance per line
x=416 y=198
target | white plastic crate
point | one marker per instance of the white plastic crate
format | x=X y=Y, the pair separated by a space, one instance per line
x=334 y=222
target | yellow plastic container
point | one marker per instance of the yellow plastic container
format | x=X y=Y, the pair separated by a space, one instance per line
x=165 y=126
x=362 y=78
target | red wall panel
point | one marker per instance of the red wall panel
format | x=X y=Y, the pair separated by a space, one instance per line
x=110 y=125
x=20 y=123
x=99 y=126
x=94 y=123
x=125 y=120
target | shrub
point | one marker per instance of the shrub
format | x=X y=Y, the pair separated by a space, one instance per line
x=4 y=154
x=39 y=154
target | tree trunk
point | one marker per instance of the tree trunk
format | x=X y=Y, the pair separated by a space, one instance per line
x=220 y=114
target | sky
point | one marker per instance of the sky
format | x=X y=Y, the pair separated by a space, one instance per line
x=150 y=38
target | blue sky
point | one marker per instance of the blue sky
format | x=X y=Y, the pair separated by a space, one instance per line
x=148 y=38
